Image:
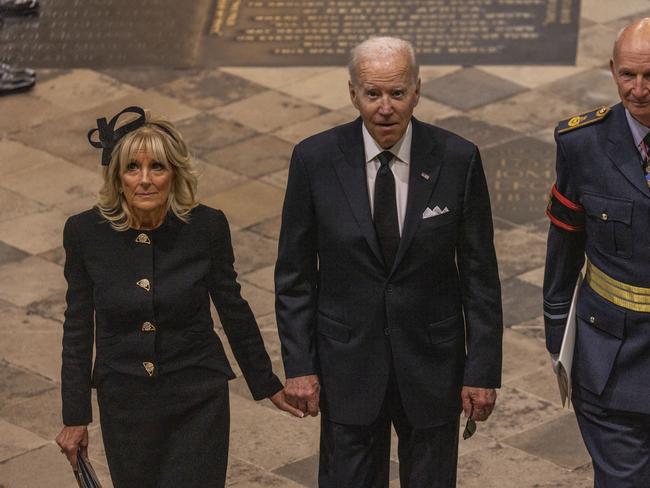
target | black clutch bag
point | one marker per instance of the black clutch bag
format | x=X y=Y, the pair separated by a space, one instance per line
x=85 y=473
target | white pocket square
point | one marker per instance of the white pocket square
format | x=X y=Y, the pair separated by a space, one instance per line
x=434 y=212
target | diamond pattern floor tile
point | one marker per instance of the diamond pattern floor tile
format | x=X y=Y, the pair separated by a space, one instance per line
x=18 y=385
x=253 y=157
x=16 y=440
x=327 y=89
x=209 y=89
x=480 y=133
x=274 y=77
x=9 y=254
x=602 y=90
x=521 y=301
x=297 y=132
x=460 y=89
x=82 y=89
x=58 y=182
x=532 y=76
x=602 y=12
x=34 y=233
x=206 y=132
x=248 y=204
x=268 y=111
x=36 y=279
x=557 y=441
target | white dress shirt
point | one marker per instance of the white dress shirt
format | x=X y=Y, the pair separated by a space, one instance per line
x=399 y=166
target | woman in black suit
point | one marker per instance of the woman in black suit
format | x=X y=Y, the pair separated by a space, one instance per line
x=141 y=268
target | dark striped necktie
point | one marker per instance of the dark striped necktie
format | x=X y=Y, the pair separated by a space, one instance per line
x=646 y=158
x=385 y=211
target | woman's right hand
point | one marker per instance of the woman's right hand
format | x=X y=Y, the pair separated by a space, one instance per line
x=70 y=440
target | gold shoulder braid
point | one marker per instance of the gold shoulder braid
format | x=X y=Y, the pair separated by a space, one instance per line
x=581 y=120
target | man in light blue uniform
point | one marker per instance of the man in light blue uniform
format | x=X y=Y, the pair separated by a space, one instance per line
x=600 y=210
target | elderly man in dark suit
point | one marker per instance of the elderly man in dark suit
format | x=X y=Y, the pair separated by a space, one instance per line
x=387 y=291
x=599 y=208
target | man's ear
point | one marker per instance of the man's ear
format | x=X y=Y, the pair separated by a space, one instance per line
x=612 y=68
x=353 y=94
x=417 y=92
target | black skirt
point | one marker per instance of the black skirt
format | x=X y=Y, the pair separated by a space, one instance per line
x=167 y=431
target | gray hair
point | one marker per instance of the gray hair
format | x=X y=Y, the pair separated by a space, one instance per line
x=378 y=47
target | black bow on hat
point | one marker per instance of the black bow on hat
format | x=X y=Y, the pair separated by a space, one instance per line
x=108 y=136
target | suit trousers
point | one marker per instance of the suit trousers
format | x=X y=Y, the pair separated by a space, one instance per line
x=169 y=431
x=619 y=445
x=358 y=456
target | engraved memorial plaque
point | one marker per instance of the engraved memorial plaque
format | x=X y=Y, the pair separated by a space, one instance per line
x=101 y=33
x=321 y=32
x=520 y=174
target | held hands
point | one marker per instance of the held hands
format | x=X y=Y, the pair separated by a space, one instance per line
x=70 y=440
x=303 y=393
x=279 y=399
x=478 y=402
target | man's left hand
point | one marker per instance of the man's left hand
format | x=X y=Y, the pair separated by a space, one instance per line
x=478 y=402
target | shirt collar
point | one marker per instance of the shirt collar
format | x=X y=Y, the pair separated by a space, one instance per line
x=401 y=149
x=638 y=130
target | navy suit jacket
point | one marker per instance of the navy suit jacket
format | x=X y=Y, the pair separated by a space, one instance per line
x=436 y=314
x=599 y=168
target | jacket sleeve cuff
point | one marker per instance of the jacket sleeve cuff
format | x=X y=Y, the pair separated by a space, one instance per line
x=271 y=387
x=77 y=408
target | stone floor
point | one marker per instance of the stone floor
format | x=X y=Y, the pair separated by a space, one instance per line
x=241 y=124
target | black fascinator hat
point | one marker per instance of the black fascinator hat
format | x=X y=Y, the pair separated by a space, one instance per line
x=109 y=136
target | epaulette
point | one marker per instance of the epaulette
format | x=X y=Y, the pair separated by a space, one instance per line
x=581 y=120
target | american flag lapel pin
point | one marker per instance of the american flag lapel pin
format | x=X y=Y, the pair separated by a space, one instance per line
x=425 y=176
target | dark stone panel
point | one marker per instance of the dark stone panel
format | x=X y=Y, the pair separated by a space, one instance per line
x=318 y=32
x=520 y=173
x=99 y=33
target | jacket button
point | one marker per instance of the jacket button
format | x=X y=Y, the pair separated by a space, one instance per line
x=604 y=216
x=143 y=239
x=389 y=289
x=592 y=319
x=149 y=367
x=144 y=283
x=148 y=327
x=387 y=331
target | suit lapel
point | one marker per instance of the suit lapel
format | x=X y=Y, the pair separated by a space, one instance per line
x=351 y=170
x=424 y=161
x=621 y=149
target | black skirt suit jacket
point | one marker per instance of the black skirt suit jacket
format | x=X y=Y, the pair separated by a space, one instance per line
x=145 y=295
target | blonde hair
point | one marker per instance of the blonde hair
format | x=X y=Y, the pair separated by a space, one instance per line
x=164 y=143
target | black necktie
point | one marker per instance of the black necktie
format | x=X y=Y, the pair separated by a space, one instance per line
x=385 y=212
